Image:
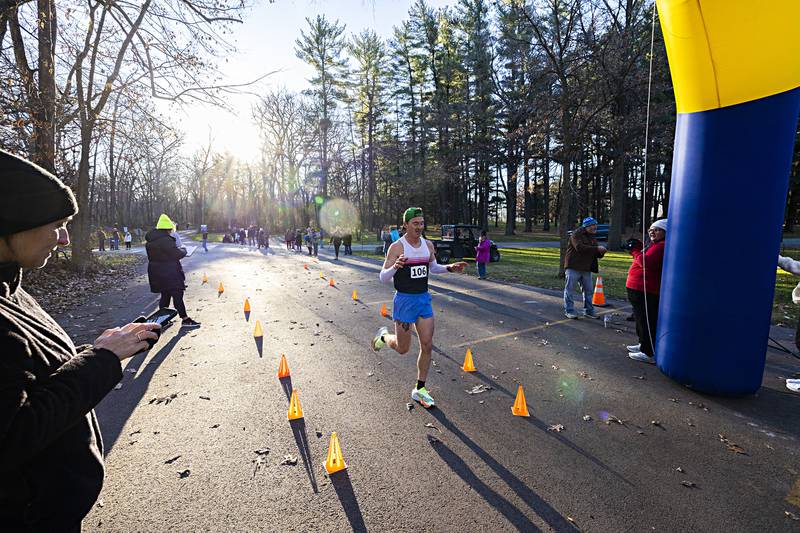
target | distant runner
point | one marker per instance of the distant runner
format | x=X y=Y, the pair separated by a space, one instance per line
x=408 y=262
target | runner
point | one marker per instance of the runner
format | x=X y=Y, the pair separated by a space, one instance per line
x=407 y=262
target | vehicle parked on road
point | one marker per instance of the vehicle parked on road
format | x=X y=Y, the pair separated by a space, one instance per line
x=459 y=241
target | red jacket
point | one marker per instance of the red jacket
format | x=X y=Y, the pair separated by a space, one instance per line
x=654 y=257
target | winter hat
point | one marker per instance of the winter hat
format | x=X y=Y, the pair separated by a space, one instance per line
x=30 y=196
x=412 y=212
x=588 y=221
x=659 y=224
x=164 y=222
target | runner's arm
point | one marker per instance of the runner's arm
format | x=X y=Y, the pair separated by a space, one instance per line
x=435 y=268
x=390 y=263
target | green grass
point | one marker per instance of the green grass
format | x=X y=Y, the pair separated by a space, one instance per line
x=538 y=267
x=212 y=237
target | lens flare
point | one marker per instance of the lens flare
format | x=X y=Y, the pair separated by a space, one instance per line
x=338 y=217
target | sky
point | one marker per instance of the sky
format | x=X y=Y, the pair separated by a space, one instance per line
x=265 y=43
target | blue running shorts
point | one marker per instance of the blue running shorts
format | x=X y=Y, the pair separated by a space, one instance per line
x=409 y=307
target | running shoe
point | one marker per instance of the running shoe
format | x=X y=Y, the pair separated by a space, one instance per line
x=642 y=357
x=423 y=397
x=634 y=348
x=377 y=341
x=590 y=315
x=188 y=323
x=570 y=315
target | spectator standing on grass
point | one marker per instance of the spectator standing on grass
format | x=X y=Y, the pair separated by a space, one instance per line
x=482 y=254
x=51 y=449
x=101 y=240
x=644 y=286
x=128 y=239
x=580 y=260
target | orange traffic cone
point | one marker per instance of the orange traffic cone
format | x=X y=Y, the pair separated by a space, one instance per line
x=355 y=295
x=469 y=366
x=335 y=461
x=384 y=311
x=305 y=266
x=283 y=368
x=330 y=283
x=247 y=305
x=221 y=288
x=258 y=332
x=599 y=297
x=205 y=279
x=295 y=411
x=520 y=406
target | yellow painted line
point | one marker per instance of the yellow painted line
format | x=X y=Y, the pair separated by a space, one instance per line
x=526 y=330
x=794 y=495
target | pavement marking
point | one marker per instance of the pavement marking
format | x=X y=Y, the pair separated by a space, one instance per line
x=525 y=330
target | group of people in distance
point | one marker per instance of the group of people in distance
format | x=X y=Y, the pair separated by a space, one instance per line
x=252 y=236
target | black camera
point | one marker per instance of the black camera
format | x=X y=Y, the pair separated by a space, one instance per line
x=631 y=244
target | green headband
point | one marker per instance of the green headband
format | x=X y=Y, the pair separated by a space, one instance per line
x=412 y=212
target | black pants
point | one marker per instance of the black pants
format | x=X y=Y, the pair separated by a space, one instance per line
x=177 y=298
x=644 y=315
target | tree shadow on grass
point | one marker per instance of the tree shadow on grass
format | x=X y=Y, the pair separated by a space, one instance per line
x=301 y=439
x=347 y=497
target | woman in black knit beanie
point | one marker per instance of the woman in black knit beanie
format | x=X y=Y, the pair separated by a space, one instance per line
x=51 y=450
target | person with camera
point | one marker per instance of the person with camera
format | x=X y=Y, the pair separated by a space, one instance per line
x=51 y=450
x=580 y=260
x=643 y=286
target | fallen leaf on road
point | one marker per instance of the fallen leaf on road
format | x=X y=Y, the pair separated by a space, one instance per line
x=642 y=377
x=204 y=398
x=409 y=406
x=170 y=461
x=184 y=473
x=319 y=434
x=262 y=451
x=791 y=515
x=477 y=389
x=583 y=374
x=587 y=418
x=429 y=425
x=689 y=484
x=555 y=367
x=537 y=364
x=558 y=428
x=289 y=459
x=215 y=426
x=339 y=392
x=134 y=432
x=163 y=399
x=656 y=423
x=680 y=469
x=131 y=370
x=673 y=400
x=118 y=386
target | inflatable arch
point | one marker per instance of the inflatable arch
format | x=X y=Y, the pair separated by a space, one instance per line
x=735 y=68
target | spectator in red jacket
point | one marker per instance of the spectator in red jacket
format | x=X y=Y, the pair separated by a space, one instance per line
x=644 y=286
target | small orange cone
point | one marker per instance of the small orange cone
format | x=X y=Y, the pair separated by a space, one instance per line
x=520 y=406
x=247 y=305
x=321 y=275
x=599 y=297
x=283 y=368
x=221 y=288
x=305 y=266
x=384 y=311
x=355 y=295
x=258 y=332
x=295 y=411
x=335 y=462
x=205 y=279
x=469 y=366
x=330 y=283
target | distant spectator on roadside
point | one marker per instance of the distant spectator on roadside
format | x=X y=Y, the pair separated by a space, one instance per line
x=336 y=240
x=482 y=254
x=386 y=237
x=128 y=239
x=176 y=235
x=164 y=269
x=289 y=239
x=580 y=260
x=204 y=235
x=347 y=240
x=51 y=449
x=115 y=238
x=101 y=240
x=644 y=287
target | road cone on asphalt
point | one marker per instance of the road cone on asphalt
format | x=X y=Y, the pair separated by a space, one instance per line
x=258 y=332
x=335 y=462
x=283 y=368
x=247 y=305
x=520 y=406
x=384 y=311
x=330 y=283
x=220 y=289
x=469 y=366
x=599 y=297
x=205 y=279
x=305 y=266
x=355 y=295
x=321 y=275
x=295 y=411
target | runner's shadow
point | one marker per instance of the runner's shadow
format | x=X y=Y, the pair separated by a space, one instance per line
x=347 y=497
x=286 y=385
x=301 y=439
x=457 y=465
x=543 y=509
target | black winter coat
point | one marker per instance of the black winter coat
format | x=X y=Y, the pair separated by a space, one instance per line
x=164 y=270
x=51 y=451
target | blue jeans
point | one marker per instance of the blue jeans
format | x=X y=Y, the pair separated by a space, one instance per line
x=585 y=279
x=481 y=270
x=205 y=244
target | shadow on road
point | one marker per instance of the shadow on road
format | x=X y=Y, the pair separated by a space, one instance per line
x=344 y=490
x=301 y=439
x=543 y=509
x=260 y=345
x=459 y=466
x=116 y=408
x=286 y=385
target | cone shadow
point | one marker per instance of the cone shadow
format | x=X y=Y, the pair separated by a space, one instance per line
x=260 y=345
x=247 y=316
x=286 y=384
x=347 y=497
x=301 y=439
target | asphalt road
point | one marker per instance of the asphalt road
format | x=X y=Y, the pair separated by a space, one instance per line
x=203 y=402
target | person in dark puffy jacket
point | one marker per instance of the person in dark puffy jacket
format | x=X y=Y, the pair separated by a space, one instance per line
x=164 y=269
x=51 y=449
x=580 y=260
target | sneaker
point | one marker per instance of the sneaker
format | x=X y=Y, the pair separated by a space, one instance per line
x=642 y=357
x=188 y=323
x=634 y=348
x=571 y=315
x=377 y=341
x=423 y=397
x=590 y=315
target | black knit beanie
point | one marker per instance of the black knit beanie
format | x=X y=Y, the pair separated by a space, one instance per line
x=30 y=196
